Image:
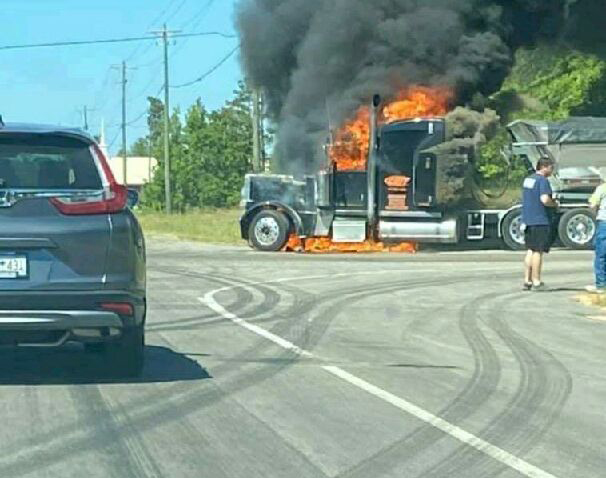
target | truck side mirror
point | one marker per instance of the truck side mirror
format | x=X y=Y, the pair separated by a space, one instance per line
x=376 y=100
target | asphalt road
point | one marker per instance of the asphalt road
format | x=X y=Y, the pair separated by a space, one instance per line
x=265 y=365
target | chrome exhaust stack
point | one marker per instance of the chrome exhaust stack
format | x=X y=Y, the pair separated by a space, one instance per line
x=372 y=165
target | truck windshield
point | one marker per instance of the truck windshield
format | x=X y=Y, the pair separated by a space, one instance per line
x=46 y=162
x=399 y=148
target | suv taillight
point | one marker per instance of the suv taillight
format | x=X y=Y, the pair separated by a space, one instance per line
x=115 y=201
x=120 y=308
x=109 y=202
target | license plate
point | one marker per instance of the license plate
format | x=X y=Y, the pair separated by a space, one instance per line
x=13 y=267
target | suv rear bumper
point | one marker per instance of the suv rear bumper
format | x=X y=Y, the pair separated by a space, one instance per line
x=57 y=319
x=87 y=300
x=50 y=318
x=52 y=328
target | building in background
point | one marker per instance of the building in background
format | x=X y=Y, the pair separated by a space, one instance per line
x=139 y=170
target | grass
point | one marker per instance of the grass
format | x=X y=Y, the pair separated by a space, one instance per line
x=219 y=226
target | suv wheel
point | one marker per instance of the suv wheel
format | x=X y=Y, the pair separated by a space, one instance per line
x=125 y=356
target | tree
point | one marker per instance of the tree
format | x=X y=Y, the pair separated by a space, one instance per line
x=555 y=83
x=141 y=147
x=153 y=193
x=210 y=154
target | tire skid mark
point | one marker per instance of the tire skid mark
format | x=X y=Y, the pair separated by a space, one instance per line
x=53 y=448
x=243 y=296
x=103 y=436
x=185 y=399
x=191 y=399
x=543 y=389
x=486 y=374
x=476 y=392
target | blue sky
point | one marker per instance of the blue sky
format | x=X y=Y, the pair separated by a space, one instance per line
x=51 y=85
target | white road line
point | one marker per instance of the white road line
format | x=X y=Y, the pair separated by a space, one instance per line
x=285 y=344
x=454 y=431
x=448 y=428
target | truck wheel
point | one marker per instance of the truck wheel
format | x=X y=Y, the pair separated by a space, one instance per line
x=577 y=229
x=268 y=231
x=125 y=356
x=511 y=231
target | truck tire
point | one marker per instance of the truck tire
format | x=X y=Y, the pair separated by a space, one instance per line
x=511 y=231
x=125 y=357
x=577 y=228
x=268 y=231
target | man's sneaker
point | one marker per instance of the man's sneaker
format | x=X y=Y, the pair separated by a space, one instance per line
x=527 y=286
x=539 y=287
x=592 y=289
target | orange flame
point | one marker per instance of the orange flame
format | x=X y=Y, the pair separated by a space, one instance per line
x=417 y=102
x=324 y=245
x=350 y=149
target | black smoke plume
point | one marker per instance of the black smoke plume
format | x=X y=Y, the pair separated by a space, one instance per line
x=317 y=61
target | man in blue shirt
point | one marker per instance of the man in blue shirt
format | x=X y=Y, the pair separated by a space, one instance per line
x=538 y=206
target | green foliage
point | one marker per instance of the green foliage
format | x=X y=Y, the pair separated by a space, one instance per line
x=489 y=157
x=210 y=153
x=558 y=83
x=140 y=148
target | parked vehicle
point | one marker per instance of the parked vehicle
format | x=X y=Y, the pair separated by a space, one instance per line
x=72 y=254
x=412 y=190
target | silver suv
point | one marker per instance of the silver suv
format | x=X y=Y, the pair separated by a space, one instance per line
x=72 y=254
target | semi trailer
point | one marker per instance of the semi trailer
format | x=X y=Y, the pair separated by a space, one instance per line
x=412 y=190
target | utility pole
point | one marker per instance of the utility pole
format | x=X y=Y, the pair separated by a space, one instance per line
x=257 y=131
x=124 y=167
x=85 y=112
x=165 y=34
x=123 y=82
x=263 y=153
x=149 y=158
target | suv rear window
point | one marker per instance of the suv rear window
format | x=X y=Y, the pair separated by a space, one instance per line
x=29 y=161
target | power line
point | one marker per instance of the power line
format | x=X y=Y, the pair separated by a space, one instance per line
x=103 y=87
x=166 y=20
x=179 y=8
x=142 y=91
x=198 y=17
x=194 y=22
x=156 y=19
x=155 y=62
x=151 y=24
x=209 y=72
x=110 y=40
x=138 y=117
x=132 y=122
x=113 y=141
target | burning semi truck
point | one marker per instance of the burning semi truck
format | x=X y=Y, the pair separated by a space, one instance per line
x=410 y=184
